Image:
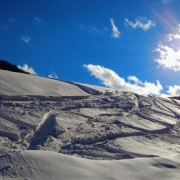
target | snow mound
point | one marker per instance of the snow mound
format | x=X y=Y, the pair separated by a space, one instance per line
x=49 y=165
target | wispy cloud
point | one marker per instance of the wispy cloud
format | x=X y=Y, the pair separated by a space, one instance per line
x=110 y=79
x=115 y=31
x=169 y=51
x=9 y=24
x=26 y=68
x=165 y=1
x=142 y=23
x=175 y=34
x=93 y=29
x=37 y=20
x=25 y=39
x=53 y=75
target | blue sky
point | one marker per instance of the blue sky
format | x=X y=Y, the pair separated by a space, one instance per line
x=123 y=44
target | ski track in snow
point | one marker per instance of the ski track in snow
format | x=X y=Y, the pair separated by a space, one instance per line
x=83 y=121
x=93 y=123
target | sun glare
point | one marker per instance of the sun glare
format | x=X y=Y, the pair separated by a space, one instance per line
x=168 y=57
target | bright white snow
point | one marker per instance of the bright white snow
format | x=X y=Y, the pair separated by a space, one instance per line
x=126 y=135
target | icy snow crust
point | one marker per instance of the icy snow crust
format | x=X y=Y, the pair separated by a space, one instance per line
x=41 y=119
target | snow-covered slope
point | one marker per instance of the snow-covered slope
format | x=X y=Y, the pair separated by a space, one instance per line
x=41 y=119
x=42 y=165
x=12 y=83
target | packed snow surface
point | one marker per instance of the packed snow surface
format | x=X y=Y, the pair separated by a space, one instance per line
x=24 y=84
x=42 y=165
x=51 y=129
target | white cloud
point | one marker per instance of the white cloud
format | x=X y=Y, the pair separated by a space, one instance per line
x=25 y=39
x=142 y=23
x=174 y=90
x=168 y=57
x=134 y=79
x=174 y=36
x=110 y=79
x=171 y=37
x=115 y=30
x=53 y=75
x=169 y=50
x=26 y=68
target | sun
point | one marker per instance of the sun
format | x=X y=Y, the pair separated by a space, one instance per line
x=168 y=57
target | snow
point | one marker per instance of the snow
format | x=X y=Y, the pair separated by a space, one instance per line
x=23 y=84
x=43 y=165
x=50 y=129
x=147 y=146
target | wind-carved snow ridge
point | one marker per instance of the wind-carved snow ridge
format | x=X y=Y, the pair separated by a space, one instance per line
x=91 y=123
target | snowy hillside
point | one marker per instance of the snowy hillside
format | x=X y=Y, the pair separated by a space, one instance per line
x=104 y=134
x=23 y=84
